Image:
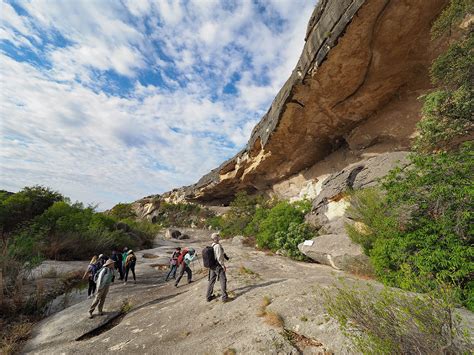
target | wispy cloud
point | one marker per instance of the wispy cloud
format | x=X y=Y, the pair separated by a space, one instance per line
x=109 y=101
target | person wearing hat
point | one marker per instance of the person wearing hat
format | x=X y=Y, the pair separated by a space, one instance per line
x=218 y=271
x=130 y=262
x=104 y=280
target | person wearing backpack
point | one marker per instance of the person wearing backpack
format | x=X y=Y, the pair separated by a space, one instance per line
x=104 y=279
x=184 y=259
x=117 y=258
x=173 y=264
x=90 y=273
x=214 y=258
x=130 y=262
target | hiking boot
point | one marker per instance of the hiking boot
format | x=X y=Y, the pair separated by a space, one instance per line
x=175 y=285
x=190 y=281
x=213 y=297
x=101 y=313
x=90 y=314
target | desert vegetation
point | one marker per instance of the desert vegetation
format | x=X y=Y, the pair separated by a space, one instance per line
x=38 y=223
x=275 y=225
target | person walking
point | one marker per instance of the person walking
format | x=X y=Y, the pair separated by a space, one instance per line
x=104 y=280
x=117 y=258
x=90 y=272
x=173 y=264
x=124 y=257
x=184 y=260
x=102 y=260
x=130 y=262
x=218 y=270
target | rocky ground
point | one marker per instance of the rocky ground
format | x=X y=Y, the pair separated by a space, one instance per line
x=162 y=319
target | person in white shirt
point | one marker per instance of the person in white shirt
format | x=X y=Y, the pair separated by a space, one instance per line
x=218 y=271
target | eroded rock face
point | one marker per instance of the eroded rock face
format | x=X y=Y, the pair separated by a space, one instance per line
x=353 y=91
x=329 y=212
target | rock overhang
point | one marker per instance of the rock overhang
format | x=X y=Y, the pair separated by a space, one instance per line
x=355 y=87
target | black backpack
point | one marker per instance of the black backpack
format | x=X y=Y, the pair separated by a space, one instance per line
x=208 y=258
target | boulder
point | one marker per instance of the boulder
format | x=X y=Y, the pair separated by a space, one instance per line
x=172 y=234
x=183 y=236
x=335 y=250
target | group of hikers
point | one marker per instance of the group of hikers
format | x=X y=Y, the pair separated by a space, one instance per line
x=100 y=274
x=100 y=271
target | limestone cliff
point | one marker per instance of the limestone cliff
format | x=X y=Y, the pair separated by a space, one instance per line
x=352 y=94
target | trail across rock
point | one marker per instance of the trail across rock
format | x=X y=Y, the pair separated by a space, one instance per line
x=154 y=317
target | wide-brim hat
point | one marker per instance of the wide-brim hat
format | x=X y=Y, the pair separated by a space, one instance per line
x=109 y=262
x=215 y=237
x=130 y=251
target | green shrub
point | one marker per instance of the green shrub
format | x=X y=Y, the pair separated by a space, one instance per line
x=278 y=219
x=419 y=232
x=242 y=211
x=288 y=241
x=394 y=322
x=71 y=231
x=182 y=215
x=452 y=14
x=447 y=111
x=24 y=205
x=122 y=211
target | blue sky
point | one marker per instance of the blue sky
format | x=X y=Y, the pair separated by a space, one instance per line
x=108 y=101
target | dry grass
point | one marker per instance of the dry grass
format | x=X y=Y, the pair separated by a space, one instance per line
x=246 y=271
x=51 y=273
x=262 y=310
x=273 y=319
x=14 y=335
x=230 y=352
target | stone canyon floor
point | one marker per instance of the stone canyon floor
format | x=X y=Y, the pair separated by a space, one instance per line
x=162 y=319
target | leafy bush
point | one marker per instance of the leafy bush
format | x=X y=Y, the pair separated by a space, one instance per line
x=182 y=215
x=447 y=111
x=67 y=231
x=25 y=205
x=288 y=241
x=418 y=233
x=394 y=322
x=122 y=211
x=242 y=211
x=278 y=220
x=453 y=13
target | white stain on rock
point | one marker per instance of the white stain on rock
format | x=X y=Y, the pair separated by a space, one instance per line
x=336 y=209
